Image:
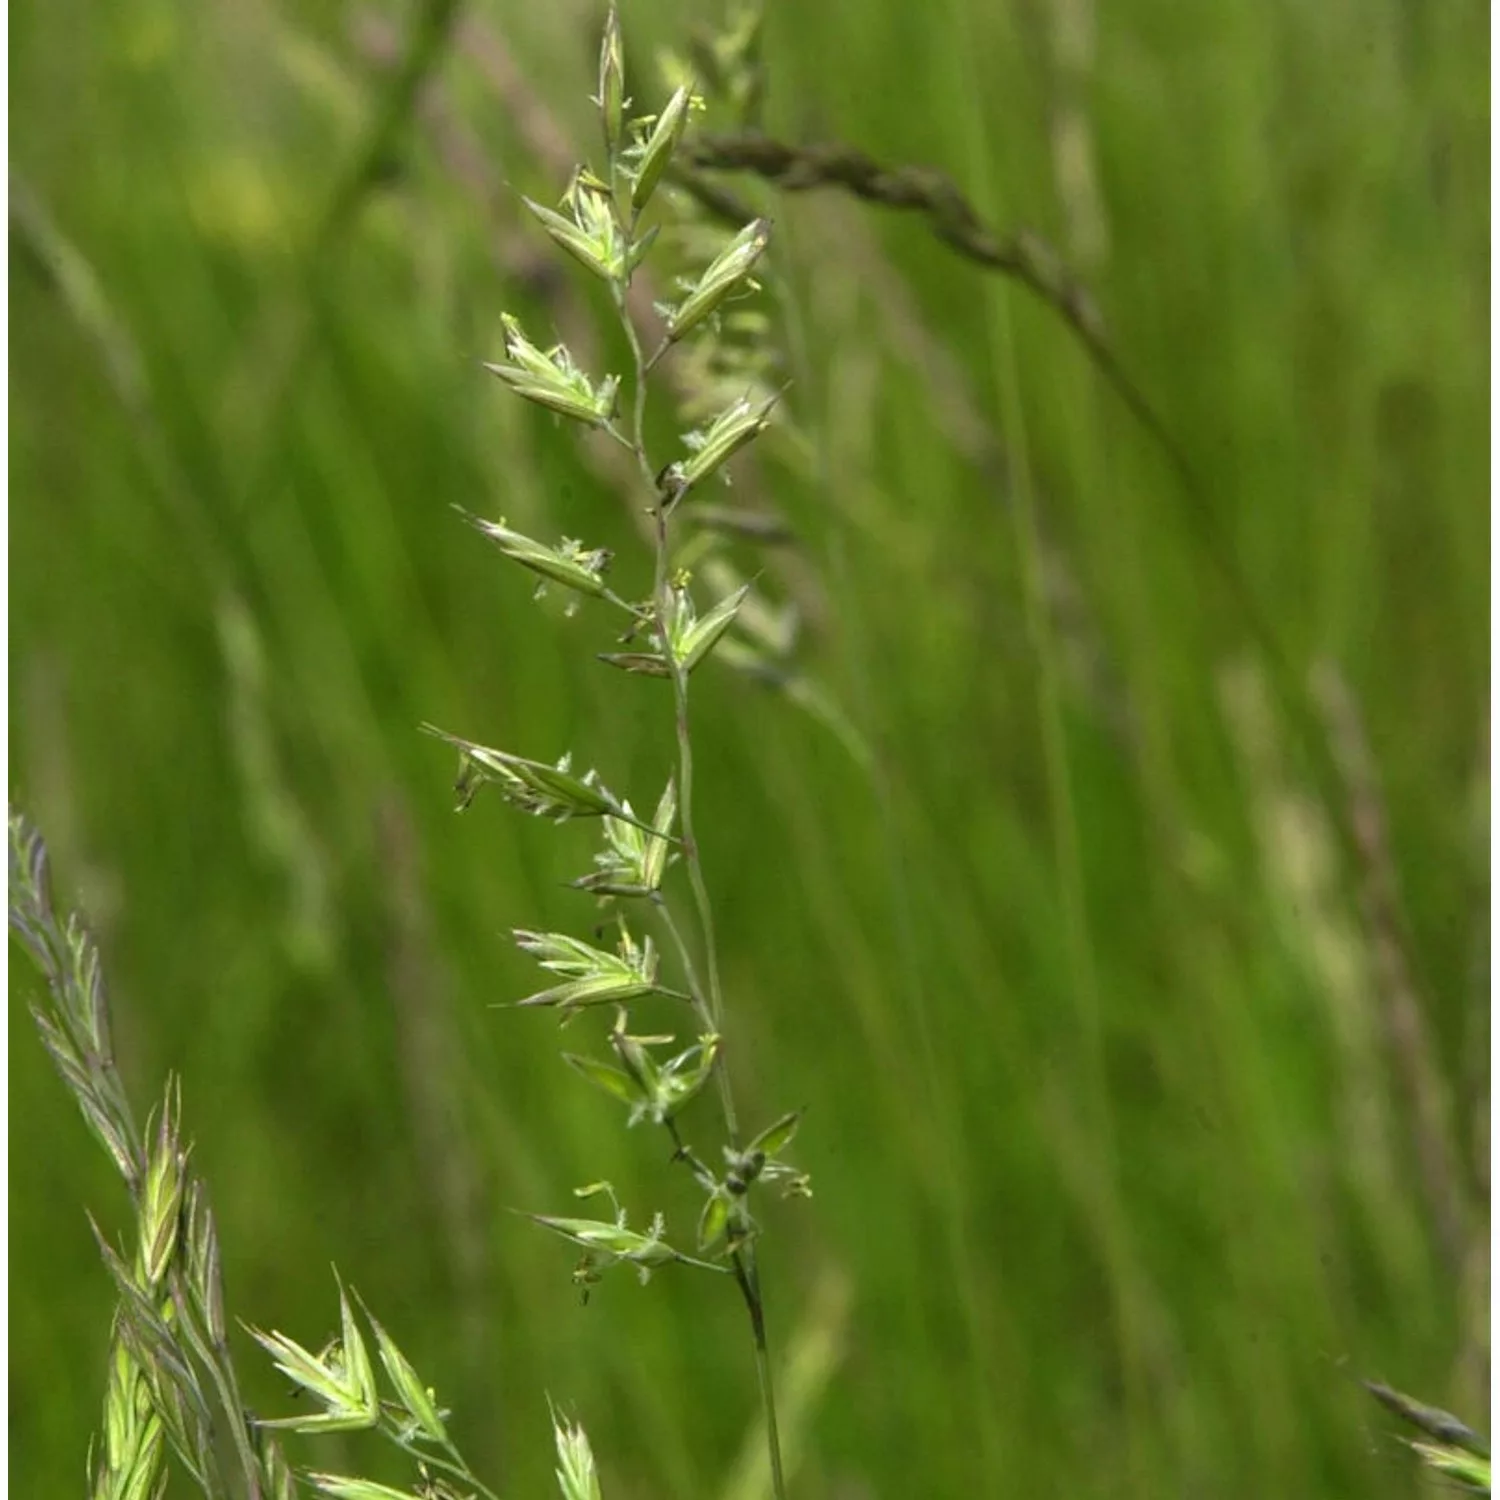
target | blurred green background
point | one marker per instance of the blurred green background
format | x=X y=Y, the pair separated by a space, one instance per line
x=1136 y=984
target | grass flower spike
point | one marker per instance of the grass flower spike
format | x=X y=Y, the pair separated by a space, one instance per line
x=600 y=227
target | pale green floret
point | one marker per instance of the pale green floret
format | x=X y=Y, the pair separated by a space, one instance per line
x=609 y=1244
x=344 y=1487
x=552 y=380
x=568 y=563
x=656 y=154
x=418 y=1399
x=592 y=236
x=728 y=273
x=693 y=638
x=577 y=1477
x=534 y=787
x=592 y=976
x=634 y=857
x=341 y=1378
x=654 y=1091
x=611 y=97
x=161 y=1201
x=738 y=424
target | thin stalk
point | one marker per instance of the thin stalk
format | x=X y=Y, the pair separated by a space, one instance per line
x=746 y=1271
x=457 y=1468
x=743 y=1260
x=685 y=1153
x=748 y=1277
x=690 y=842
x=685 y=955
x=663 y=595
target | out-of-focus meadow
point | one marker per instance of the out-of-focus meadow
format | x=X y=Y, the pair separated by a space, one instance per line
x=1114 y=897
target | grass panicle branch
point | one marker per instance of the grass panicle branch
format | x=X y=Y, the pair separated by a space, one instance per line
x=1024 y=256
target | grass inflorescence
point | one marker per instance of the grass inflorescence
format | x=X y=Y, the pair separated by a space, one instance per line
x=603 y=224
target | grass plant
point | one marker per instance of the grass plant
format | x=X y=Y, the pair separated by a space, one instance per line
x=604 y=227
